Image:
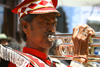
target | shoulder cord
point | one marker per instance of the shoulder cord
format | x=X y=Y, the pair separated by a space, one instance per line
x=52 y=63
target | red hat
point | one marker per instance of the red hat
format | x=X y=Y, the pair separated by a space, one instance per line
x=36 y=7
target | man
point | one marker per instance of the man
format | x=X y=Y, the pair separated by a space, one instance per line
x=4 y=39
x=37 y=22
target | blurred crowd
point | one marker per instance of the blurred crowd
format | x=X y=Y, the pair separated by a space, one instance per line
x=16 y=44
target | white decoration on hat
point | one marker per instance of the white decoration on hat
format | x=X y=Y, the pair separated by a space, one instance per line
x=36 y=11
x=27 y=9
x=44 y=11
x=19 y=10
x=47 y=11
x=21 y=14
x=40 y=11
x=49 y=4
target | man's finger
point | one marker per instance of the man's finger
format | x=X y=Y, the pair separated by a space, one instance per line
x=75 y=30
x=81 y=29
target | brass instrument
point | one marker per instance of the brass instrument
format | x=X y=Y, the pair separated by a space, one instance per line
x=66 y=39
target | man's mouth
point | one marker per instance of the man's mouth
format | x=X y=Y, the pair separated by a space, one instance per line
x=51 y=38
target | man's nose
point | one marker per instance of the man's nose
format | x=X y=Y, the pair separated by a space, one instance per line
x=51 y=28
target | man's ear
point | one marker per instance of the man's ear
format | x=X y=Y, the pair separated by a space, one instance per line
x=25 y=26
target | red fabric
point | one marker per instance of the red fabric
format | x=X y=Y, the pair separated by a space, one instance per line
x=69 y=66
x=43 y=2
x=36 y=53
x=11 y=65
x=32 y=6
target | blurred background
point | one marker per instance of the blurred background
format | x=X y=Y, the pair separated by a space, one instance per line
x=73 y=12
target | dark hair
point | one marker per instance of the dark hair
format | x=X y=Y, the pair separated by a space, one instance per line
x=28 y=18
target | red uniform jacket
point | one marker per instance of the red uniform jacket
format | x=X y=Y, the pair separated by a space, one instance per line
x=36 y=58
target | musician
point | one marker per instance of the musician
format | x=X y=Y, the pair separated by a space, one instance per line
x=38 y=21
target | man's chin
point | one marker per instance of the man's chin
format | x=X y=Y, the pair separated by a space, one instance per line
x=49 y=43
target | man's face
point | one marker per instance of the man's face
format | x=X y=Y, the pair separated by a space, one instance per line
x=4 y=42
x=41 y=27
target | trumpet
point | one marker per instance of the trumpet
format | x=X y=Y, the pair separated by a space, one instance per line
x=66 y=52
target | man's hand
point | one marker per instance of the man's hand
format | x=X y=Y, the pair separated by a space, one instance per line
x=80 y=37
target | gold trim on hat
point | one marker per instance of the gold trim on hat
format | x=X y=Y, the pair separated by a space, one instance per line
x=41 y=7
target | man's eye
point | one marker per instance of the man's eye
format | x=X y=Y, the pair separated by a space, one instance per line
x=55 y=24
x=44 y=22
